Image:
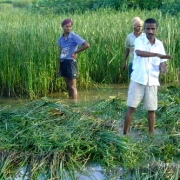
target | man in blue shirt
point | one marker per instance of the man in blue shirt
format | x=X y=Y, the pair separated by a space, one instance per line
x=69 y=44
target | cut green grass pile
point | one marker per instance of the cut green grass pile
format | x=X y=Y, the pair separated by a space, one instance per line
x=51 y=138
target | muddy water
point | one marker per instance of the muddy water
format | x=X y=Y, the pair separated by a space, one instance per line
x=85 y=97
x=89 y=96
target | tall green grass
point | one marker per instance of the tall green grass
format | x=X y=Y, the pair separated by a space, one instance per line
x=29 y=51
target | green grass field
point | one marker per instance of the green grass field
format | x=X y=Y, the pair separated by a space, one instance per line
x=29 y=50
x=51 y=138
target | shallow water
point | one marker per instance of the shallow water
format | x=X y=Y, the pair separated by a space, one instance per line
x=92 y=172
x=89 y=96
x=85 y=97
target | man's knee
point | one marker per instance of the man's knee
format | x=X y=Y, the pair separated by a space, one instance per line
x=71 y=87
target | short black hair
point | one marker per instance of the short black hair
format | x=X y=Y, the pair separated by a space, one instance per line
x=150 y=21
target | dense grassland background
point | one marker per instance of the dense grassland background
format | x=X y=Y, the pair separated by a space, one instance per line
x=64 y=6
x=29 y=51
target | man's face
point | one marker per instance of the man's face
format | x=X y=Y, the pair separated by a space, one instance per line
x=67 y=28
x=138 y=28
x=150 y=30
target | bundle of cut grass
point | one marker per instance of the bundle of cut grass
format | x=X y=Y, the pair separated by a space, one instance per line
x=49 y=138
x=52 y=137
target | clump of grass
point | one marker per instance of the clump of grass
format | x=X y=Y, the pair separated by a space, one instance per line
x=156 y=170
x=22 y=3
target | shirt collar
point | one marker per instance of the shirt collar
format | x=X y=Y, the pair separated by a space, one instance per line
x=69 y=36
x=132 y=34
x=147 y=41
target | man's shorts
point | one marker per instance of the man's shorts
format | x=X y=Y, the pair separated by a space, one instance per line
x=68 y=68
x=138 y=92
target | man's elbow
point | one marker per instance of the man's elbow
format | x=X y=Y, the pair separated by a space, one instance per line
x=87 y=45
x=138 y=52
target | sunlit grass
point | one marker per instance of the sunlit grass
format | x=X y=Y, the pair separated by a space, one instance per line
x=29 y=50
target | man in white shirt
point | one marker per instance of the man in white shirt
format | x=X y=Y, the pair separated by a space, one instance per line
x=137 y=24
x=149 y=57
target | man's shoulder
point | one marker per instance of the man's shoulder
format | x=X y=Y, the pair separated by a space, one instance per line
x=61 y=36
x=130 y=34
x=73 y=34
x=141 y=39
x=157 y=41
x=142 y=34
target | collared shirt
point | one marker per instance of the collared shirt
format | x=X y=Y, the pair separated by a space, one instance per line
x=130 y=44
x=69 y=45
x=146 y=69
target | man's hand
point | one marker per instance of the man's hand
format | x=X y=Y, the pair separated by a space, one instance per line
x=74 y=56
x=124 y=65
x=163 y=68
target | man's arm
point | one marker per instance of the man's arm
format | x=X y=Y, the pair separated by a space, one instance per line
x=126 y=54
x=84 y=46
x=150 y=54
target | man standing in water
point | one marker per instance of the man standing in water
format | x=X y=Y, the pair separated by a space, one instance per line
x=149 y=57
x=137 y=24
x=67 y=65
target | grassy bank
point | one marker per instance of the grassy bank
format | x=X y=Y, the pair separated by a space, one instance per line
x=52 y=139
x=29 y=49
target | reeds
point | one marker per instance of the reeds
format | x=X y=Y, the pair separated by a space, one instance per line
x=29 y=51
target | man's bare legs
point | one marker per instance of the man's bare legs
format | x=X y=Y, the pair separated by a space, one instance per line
x=128 y=118
x=151 y=120
x=71 y=87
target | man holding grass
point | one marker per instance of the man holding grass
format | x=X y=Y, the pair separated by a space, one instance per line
x=149 y=59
